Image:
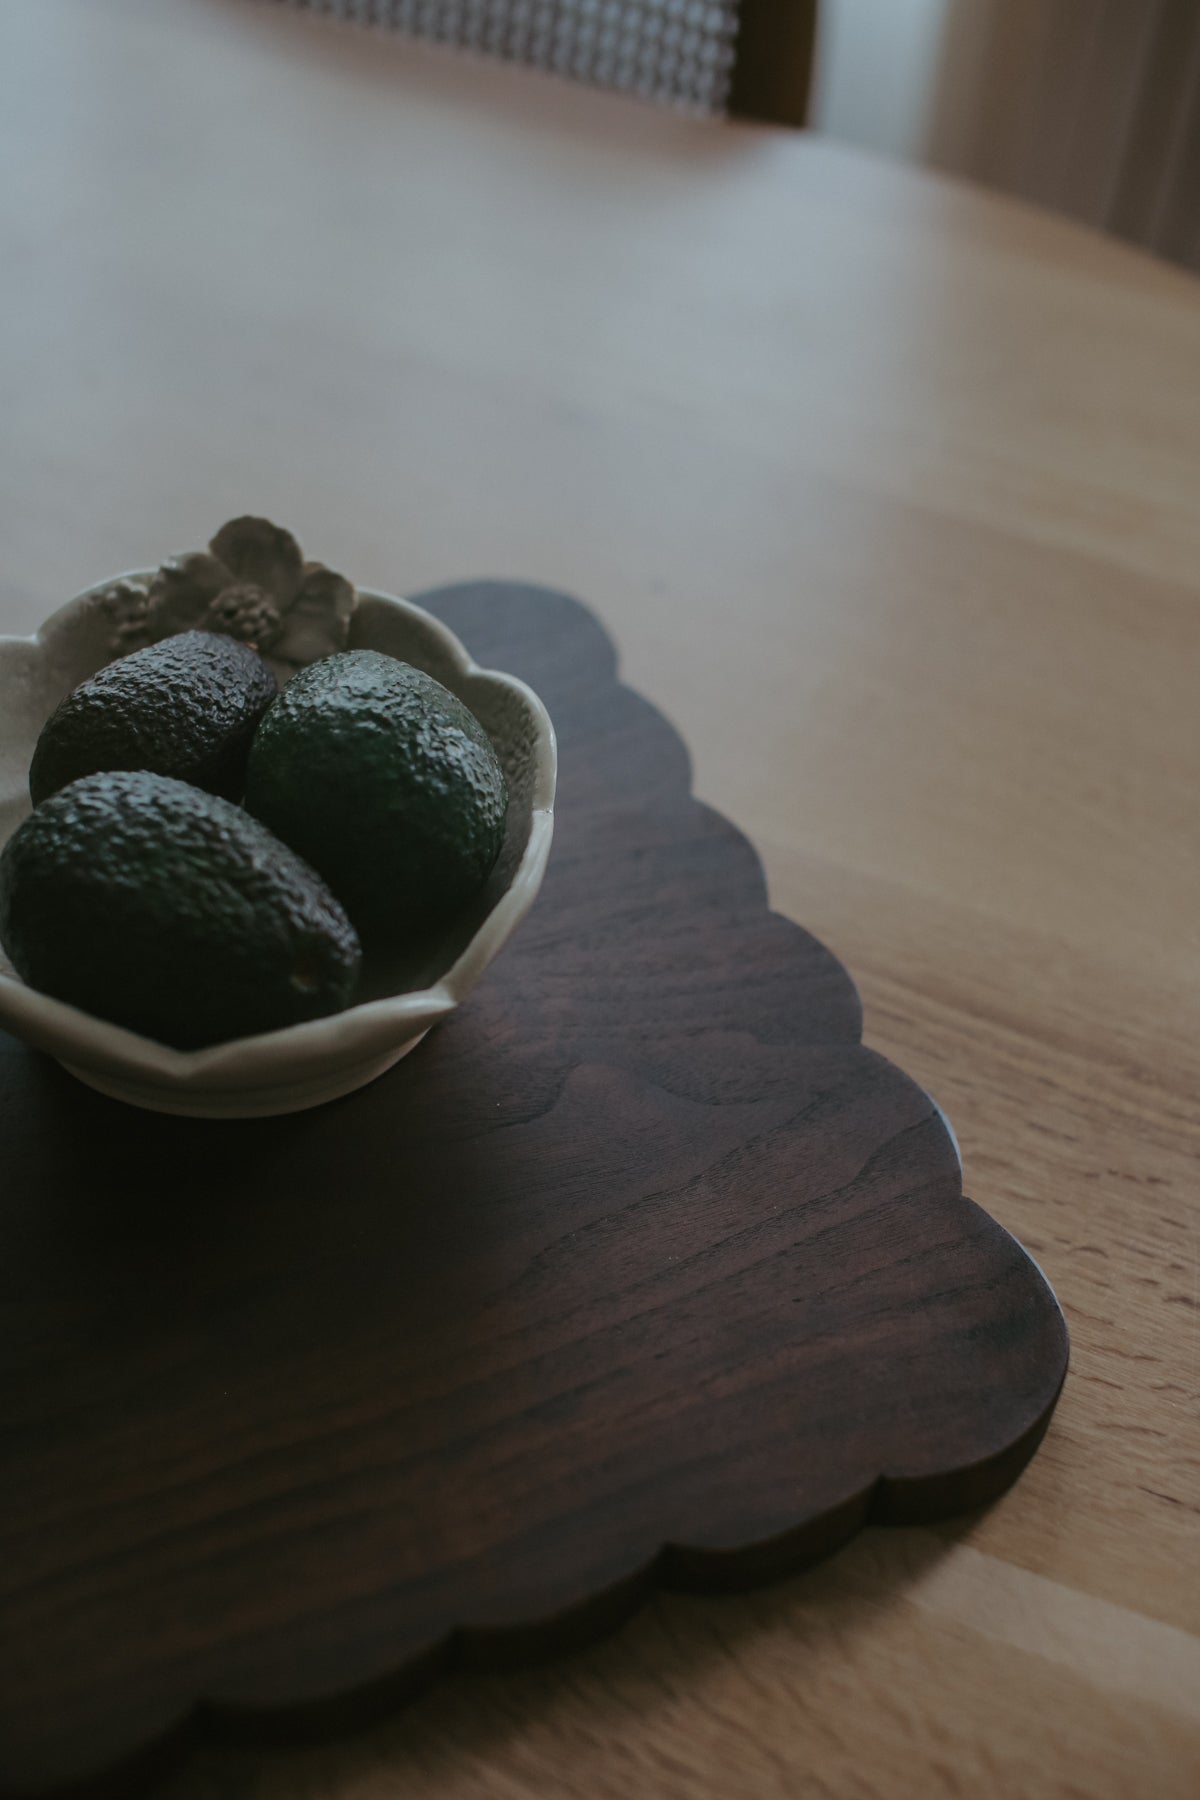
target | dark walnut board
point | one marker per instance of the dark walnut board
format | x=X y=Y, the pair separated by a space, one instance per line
x=641 y=1268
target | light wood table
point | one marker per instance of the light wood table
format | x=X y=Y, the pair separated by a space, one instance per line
x=908 y=477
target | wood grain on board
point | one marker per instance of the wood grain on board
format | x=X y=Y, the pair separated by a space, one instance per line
x=642 y=1270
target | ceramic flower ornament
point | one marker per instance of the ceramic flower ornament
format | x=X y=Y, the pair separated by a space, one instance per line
x=251 y=583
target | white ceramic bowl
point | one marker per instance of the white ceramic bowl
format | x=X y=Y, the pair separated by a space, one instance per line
x=285 y=1071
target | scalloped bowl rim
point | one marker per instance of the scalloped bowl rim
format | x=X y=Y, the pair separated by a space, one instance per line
x=372 y=1033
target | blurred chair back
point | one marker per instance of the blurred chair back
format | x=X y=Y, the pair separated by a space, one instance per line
x=752 y=58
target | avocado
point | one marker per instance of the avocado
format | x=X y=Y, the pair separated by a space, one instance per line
x=185 y=707
x=170 y=911
x=383 y=780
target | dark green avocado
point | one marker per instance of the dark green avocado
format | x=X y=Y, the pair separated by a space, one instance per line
x=186 y=707
x=383 y=780
x=172 y=912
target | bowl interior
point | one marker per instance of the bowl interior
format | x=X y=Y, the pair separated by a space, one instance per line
x=35 y=674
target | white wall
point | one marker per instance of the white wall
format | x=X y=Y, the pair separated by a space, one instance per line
x=877 y=64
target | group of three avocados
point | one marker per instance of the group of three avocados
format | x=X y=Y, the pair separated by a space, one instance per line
x=207 y=854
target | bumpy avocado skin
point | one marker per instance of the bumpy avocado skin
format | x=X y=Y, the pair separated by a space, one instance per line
x=383 y=780
x=187 y=707
x=171 y=911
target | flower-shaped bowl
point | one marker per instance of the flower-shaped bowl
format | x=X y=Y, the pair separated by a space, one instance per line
x=401 y=997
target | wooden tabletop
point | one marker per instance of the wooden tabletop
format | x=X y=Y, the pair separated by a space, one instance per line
x=907 y=475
